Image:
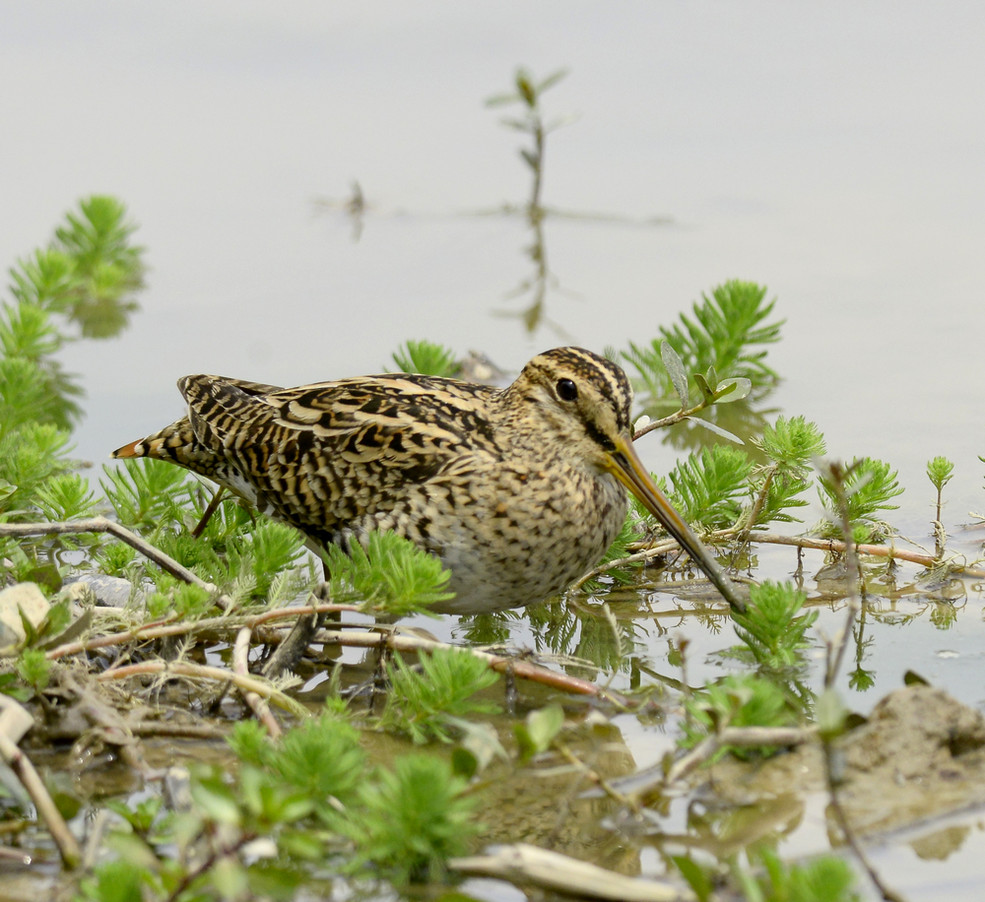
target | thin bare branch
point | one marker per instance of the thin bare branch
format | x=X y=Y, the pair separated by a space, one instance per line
x=523 y=669
x=24 y=770
x=203 y=672
x=160 y=629
x=887 y=893
x=644 y=782
x=104 y=524
x=241 y=650
x=833 y=546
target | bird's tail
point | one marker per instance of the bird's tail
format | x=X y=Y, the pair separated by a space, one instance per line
x=176 y=444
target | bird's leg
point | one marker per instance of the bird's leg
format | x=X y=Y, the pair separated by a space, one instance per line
x=380 y=680
x=209 y=511
x=289 y=652
x=509 y=689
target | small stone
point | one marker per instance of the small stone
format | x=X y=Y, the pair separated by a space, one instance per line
x=22 y=597
x=15 y=720
x=107 y=591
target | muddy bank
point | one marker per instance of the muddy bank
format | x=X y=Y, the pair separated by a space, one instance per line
x=920 y=754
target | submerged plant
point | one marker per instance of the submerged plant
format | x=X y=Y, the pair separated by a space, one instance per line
x=772 y=627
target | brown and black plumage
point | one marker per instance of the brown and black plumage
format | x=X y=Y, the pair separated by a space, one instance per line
x=519 y=491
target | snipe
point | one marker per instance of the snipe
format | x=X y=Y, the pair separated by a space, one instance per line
x=519 y=491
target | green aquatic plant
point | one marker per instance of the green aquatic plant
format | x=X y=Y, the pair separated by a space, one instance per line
x=89 y=264
x=869 y=485
x=527 y=95
x=34 y=388
x=768 y=878
x=65 y=496
x=147 y=493
x=738 y=700
x=538 y=730
x=612 y=562
x=432 y=700
x=790 y=445
x=725 y=339
x=427 y=358
x=826 y=878
x=263 y=550
x=30 y=456
x=86 y=279
x=316 y=803
x=119 y=880
x=34 y=669
x=416 y=815
x=708 y=488
x=181 y=600
x=390 y=575
x=773 y=628
x=321 y=758
x=89 y=273
x=940 y=472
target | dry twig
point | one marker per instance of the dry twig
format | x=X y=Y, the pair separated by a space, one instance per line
x=499 y=663
x=261 y=709
x=104 y=524
x=524 y=863
x=16 y=722
x=168 y=669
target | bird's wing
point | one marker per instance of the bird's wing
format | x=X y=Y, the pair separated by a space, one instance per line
x=391 y=417
x=320 y=455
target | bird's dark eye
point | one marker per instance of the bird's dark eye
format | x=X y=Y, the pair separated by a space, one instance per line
x=567 y=390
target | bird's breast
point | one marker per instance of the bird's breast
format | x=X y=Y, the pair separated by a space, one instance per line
x=516 y=539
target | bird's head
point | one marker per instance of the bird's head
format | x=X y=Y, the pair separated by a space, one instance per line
x=584 y=401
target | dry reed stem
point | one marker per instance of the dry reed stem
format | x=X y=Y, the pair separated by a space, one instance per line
x=104 y=524
x=527 y=864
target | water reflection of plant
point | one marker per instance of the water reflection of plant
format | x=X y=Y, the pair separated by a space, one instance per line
x=584 y=639
x=860 y=679
x=89 y=272
x=86 y=277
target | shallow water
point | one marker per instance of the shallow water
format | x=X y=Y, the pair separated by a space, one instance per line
x=831 y=153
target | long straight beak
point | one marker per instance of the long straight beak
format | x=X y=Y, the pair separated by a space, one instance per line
x=629 y=470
